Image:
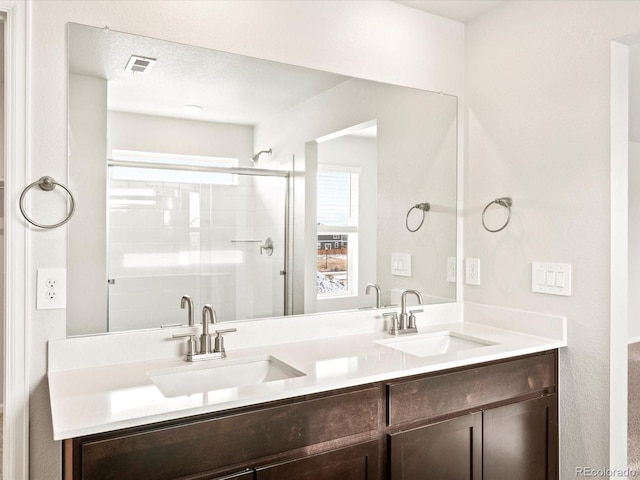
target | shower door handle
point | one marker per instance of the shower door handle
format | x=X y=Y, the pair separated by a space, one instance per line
x=267 y=247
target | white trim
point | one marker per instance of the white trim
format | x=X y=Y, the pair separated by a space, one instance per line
x=633 y=340
x=619 y=256
x=16 y=348
x=461 y=122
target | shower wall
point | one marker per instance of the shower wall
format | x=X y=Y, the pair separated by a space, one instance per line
x=196 y=239
x=203 y=236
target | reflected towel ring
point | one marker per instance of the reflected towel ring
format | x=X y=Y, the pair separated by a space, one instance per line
x=425 y=207
x=47 y=184
x=506 y=202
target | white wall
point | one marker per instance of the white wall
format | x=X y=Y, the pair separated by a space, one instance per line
x=379 y=40
x=149 y=133
x=634 y=195
x=538 y=123
x=634 y=240
x=2 y=207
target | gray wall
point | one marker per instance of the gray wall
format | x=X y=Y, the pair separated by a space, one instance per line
x=538 y=129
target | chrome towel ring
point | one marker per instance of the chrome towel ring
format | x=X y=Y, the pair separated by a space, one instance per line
x=47 y=184
x=506 y=202
x=425 y=207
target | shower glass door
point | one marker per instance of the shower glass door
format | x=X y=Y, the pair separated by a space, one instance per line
x=217 y=234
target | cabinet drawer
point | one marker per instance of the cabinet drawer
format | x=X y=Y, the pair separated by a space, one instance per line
x=207 y=445
x=359 y=462
x=457 y=391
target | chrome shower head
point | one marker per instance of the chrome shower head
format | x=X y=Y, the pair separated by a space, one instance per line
x=256 y=156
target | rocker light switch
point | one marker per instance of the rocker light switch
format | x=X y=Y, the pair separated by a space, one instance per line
x=401 y=264
x=551 y=278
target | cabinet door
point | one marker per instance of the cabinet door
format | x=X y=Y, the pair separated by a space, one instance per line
x=449 y=450
x=521 y=439
x=359 y=462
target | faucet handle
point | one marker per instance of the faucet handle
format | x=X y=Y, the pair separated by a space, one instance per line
x=394 y=322
x=219 y=340
x=191 y=343
x=412 y=318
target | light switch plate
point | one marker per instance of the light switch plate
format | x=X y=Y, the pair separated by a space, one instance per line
x=551 y=278
x=401 y=264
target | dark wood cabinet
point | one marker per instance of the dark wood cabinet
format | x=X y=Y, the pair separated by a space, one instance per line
x=359 y=462
x=515 y=441
x=496 y=420
x=521 y=440
x=447 y=450
x=246 y=474
x=206 y=446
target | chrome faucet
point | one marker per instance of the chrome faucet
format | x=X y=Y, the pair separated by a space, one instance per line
x=205 y=352
x=205 y=338
x=377 y=287
x=187 y=301
x=407 y=323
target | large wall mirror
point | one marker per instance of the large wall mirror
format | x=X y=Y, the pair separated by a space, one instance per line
x=261 y=188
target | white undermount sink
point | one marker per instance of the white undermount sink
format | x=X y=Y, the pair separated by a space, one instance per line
x=437 y=343
x=220 y=374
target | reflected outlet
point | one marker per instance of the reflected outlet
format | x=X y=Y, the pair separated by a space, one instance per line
x=451 y=269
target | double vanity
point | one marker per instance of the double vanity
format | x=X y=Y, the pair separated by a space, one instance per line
x=473 y=394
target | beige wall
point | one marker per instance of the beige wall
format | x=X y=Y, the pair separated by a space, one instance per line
x=538 y=130
x=378 y=40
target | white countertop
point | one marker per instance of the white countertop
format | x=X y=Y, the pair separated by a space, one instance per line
x=109 y=396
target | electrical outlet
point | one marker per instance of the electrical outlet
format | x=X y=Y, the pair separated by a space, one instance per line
x=472 y=271
x=51 y=288
x=451 y=269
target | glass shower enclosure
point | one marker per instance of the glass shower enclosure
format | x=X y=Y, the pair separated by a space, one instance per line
x=215 y=233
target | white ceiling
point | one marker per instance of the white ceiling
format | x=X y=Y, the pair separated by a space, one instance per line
x=230 y=88
x=459 y=10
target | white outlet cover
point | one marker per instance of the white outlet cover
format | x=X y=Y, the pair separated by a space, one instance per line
x=452 y=269
x=48 y=298
x=472 y=271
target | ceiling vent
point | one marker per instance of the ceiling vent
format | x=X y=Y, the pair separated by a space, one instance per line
x=138 y=64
